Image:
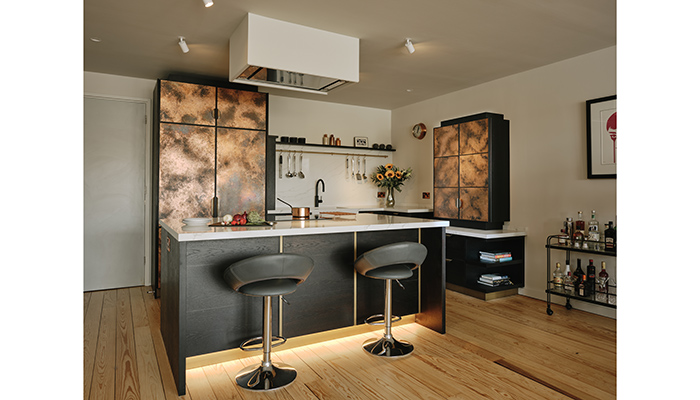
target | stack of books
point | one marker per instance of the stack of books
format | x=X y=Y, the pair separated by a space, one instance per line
x=495 y=256
x=495 y=280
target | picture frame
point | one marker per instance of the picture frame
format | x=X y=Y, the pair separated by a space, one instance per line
x=361 y=141
x=601 y=137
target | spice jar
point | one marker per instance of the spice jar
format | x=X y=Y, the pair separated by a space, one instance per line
x=337 y=142
x=325 y=139
x=331 y=141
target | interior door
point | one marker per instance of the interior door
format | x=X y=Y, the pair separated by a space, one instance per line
x=115 y=137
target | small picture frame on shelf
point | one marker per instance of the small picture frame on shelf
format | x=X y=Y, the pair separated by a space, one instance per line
x=361 y=141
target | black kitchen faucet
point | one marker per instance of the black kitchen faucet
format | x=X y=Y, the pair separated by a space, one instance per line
x=317 y=198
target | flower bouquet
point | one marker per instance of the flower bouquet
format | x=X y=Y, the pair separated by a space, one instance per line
x=390 y=177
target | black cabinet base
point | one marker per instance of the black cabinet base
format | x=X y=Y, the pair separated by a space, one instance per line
x=490 y=295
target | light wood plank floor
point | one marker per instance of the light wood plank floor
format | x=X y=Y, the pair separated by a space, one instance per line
x=504 y=348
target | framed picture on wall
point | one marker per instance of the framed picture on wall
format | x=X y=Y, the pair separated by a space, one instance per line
x=601 y=131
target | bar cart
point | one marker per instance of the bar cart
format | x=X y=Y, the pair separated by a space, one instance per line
x=607 y=299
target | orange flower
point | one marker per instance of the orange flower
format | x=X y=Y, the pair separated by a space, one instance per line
x=389 y=166
x=380 y=177
x=398 y=174
x=389 y=174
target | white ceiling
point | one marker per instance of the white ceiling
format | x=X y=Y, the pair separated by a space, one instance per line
x=459 y=43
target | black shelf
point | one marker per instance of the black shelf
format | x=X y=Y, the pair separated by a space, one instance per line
x=611 y=253
x=327 y=146
x=588 y=299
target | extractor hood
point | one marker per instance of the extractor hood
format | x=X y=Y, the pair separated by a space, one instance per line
x=272 y=53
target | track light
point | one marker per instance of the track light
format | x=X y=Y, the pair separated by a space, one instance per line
x=183 y=45
x=409 y=46
x=208 y=3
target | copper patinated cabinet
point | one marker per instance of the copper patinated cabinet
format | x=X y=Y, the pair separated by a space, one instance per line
x=471 y=171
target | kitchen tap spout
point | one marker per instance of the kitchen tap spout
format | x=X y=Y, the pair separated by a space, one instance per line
x=317 y=198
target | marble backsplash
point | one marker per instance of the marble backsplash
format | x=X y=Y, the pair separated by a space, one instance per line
x=341 y=189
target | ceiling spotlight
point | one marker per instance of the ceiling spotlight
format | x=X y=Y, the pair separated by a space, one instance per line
x=183 y=45
x=409 y=46
x=208 y=3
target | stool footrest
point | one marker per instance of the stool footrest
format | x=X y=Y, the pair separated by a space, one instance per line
x=378 y=319
x=257 y=342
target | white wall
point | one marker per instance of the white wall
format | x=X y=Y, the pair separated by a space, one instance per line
x=546 y=109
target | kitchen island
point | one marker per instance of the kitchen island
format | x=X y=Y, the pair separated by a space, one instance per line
x=200 y=314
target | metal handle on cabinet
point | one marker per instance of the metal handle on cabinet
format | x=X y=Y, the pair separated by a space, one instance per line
x=167 y=241
x=448 y=259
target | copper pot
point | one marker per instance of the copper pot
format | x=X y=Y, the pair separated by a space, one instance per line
x=301 y=212
x=298 y=212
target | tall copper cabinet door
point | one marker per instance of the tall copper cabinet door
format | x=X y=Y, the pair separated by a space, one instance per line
x=186 y=172
x=240 y=174
x=446 y=141
x=475 y=204
x=187 y=103
x=242 y=109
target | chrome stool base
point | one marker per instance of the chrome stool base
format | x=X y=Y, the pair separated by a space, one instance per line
x=387 y=347
x=259 y=377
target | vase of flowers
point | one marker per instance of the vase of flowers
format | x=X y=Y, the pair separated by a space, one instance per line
x=390 y=177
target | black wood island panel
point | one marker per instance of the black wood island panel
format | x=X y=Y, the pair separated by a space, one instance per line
x=200 y=314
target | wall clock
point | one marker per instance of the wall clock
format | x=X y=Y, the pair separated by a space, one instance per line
x=419 y=131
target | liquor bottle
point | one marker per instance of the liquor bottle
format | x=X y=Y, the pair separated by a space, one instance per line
x=590 y=278
x=568 y=283
x=558 y=278
x=569 y=228
x=578 y=273
x=579 y=229
x=580 y=223
x=582 y=288
x=594 y=232
x=610 y=237
x=603 y=278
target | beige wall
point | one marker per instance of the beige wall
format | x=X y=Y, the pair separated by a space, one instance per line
x=546 y=109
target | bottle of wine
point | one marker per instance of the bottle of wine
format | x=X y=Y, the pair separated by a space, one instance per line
x=603 y=278
x=594 y=232
x=590 y=277
x=558 y=278
x=610 y=237
x=578 y=273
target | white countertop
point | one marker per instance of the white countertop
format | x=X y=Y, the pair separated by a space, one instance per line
x=402 y=208
x=483 y=234
x=356 y=223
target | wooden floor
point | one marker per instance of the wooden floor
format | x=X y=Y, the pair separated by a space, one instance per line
x=504 y=348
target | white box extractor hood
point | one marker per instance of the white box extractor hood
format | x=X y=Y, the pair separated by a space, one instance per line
x=272 y=53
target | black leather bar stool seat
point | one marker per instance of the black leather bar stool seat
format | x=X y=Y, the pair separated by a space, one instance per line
x=391 y=262
x=267 y=276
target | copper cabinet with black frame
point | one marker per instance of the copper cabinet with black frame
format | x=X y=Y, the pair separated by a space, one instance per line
x=471 y=171
x=210 y=144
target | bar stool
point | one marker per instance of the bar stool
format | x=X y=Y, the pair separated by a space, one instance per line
x=267 y=276
x=393 y=261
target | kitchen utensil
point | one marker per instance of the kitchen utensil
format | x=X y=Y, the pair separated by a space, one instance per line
x=301 y=165
x=281 y=162
x=294 y=164
x=352 y=171
x=298 y=212
x=364 y=168
x=289 y=162
x=357 y=175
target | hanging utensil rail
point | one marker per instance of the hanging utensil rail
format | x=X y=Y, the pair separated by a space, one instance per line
x=331 y=153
